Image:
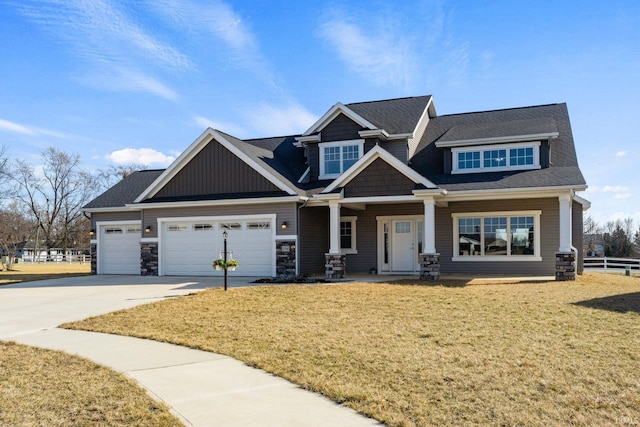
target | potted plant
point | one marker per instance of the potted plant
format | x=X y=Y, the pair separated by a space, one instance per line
x=231 y=264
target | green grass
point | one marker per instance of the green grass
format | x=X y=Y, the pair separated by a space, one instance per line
x=455 y=353
x=51 y=388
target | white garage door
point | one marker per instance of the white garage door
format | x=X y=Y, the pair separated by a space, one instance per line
x=189 y=248
x=120 y=249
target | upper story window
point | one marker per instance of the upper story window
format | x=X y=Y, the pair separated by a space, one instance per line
x=490 y=158
x=337 y=157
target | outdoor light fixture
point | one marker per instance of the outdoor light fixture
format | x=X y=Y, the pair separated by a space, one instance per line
x=92 y=232
x=147 y=229
x=284 y=225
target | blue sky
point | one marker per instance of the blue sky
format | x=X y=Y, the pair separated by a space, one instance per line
x=136 y=82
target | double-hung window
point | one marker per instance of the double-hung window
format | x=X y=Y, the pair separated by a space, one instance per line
x=490 y=158
x=497 y=236
x=337 y=157
x=348 y=234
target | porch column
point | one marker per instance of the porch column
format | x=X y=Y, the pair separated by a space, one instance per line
x=566 y=256
x=429 y=228
x=334 y=266
x=334 y=227
x=565 y=223
x=429 y=258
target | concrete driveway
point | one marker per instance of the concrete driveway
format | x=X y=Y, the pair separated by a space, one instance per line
x=33 y=306
x=201 y=388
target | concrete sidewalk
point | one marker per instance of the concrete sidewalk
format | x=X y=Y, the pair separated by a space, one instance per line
x=202 y=388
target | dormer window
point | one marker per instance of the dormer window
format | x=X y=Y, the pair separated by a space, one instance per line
x=337 y=157
x=494 y=158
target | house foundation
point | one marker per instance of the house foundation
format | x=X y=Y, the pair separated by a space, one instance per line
x=148 y=259
x=565 y=266
x=335 y=266
x=429 y=266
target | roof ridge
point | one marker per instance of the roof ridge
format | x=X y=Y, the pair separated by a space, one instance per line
x=503 y=109
x=386 y=100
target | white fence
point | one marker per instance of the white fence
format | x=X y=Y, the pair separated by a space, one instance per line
x=613 y=264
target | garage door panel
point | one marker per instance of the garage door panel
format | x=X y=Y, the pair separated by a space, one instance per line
x=189 y=248
x=120 y=249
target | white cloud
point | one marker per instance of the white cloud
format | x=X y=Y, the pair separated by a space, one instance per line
x=608 y=189
x=270 y=120
x=382 y=57
x=621 y=153
x=140 y=156
x=13 y=127
x=622 y=196
x=106 y=37
x=229 y=128
x=219 y=20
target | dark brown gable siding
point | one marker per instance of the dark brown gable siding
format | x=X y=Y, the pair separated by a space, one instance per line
x=215 y=170
x=379 y=179
x=341 y=128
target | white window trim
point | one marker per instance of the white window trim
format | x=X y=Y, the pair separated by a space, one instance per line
x=354 y=248
x=492 y=258
x=322 y=146
x=481 y=148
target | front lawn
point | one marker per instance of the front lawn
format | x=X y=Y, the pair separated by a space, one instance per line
x=27 y=272
x=51 y=388
x=553 y=353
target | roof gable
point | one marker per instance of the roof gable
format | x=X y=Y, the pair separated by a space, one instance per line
x=378 y=153
x=196 y=147
x=333 y=112
x=368 y=183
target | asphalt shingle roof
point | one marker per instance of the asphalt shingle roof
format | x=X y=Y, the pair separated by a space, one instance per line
x=283 y=159
x=396 y=116
x=125 y=191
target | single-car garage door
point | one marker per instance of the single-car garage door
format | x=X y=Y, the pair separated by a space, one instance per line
x=190 y=247
x=120 y=249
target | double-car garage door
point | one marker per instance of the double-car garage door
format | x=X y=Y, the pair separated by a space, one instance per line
x=190 y=247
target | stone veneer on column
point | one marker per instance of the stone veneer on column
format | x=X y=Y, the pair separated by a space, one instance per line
x=93 y=253
x=565 y=266
x=430 y=266
x=335 y=266
x=286 y=259
x=148 y=259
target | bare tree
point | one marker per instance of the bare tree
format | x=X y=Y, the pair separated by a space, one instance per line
x=592 y=232
x=107 y=178
x=15 y=229
x=618 y=237
x=4 y=175
x=55 y=195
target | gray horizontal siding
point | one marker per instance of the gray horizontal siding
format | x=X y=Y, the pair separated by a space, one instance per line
x=549 y=238
x=577 y=234
x=114 y=216
x=313 y=241
x=284 y=212
x=367 y=232
x=398 y=149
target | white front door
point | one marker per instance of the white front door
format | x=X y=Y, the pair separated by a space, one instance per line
x=403 y=246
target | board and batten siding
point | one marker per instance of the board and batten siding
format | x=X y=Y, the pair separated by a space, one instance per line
x=215 y=170
x=284 y=212
x=127 y=215
x=549 y=238
x=313 y=241
x=379 y=179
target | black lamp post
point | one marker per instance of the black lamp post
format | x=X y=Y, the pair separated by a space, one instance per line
x=224 y=235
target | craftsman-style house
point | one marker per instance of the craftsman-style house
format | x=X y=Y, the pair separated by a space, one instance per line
x=383 y=186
